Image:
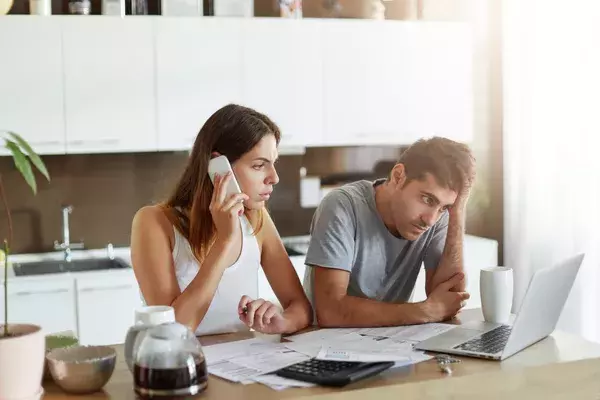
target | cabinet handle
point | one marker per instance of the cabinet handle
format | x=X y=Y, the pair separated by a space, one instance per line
x=105 y=142
x=41 y=292
x=102 y=289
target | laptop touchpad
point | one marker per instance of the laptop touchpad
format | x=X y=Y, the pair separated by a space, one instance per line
x=480 y=326
x=451 y=338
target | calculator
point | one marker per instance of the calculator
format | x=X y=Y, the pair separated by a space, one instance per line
x=332 y=373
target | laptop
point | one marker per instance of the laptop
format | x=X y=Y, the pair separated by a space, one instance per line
x=541 y=307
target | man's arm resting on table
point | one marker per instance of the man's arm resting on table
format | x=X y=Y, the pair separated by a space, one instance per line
x=334 y=308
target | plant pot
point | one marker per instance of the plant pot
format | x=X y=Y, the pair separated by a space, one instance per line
x=21 y=362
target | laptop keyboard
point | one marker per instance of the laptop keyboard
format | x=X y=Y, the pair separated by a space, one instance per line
x=490 y=342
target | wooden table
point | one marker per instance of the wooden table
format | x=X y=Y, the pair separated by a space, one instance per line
x=555 y=358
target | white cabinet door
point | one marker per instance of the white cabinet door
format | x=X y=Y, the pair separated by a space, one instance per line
x=109 y=84
x=198 y=71
x=420 y=83
x=283 y=76
x=394 y=82
x=49 y=303
x=345 y=72
x=31 y=82
x=106 y=308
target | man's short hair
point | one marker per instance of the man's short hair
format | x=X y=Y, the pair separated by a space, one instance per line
x=448 y=161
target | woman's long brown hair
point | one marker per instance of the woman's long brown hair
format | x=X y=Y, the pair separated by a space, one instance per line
x=231 y=131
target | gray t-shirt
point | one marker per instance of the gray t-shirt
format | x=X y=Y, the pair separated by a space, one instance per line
x=348 y=233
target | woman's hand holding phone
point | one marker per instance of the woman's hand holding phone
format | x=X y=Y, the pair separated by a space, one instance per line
x=226 y=210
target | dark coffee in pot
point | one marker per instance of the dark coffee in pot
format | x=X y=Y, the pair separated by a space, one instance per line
x=171 y=383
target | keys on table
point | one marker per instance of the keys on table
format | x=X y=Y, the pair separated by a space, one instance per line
x=444 y=362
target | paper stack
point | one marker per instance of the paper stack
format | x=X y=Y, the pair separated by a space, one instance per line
x=254 y=360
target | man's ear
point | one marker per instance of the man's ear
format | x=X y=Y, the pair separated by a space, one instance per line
x=398 y=175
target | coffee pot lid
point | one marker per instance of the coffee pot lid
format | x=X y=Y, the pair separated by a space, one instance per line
x=154 y=315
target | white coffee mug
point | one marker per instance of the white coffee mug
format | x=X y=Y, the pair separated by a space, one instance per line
x=496 y=290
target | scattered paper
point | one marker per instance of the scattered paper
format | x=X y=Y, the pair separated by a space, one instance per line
x=365 y=349
x=279 y=383
x=416 y=333
x=246 y=359
x=307 y=348
x=414 y=359
x=312 y=347
x=342 y=354
x=384 y=332
x=254 y=360
x=233 y=372
x=225 y=351
x=322 y=334
x=271 y=361
x=396 y=344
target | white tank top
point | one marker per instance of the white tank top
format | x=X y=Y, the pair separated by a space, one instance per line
x=239 y=279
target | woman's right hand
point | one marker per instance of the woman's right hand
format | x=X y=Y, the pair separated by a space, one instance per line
x=226 y=210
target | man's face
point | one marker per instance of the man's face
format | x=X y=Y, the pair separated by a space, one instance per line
x=417 y=205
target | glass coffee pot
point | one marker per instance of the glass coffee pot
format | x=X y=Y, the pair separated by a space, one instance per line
x=169 y=363
x=145 y=318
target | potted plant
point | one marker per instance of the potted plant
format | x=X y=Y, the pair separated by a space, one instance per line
x=22 y=346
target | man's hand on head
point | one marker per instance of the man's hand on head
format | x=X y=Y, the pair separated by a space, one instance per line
x=464 y=193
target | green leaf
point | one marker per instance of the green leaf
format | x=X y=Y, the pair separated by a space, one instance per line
x=35 y=159
x=22 y=164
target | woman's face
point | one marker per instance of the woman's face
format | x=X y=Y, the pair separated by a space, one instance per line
x=255 y=172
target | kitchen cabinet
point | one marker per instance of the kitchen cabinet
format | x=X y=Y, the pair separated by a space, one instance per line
x=98 y=307
x=198 y=70
x=109 y=84
x=105 y=307
x=101 y=84
x=283 y=76
x=31 y=82
x=391 y=83
x=50 y=304
x=345 y=73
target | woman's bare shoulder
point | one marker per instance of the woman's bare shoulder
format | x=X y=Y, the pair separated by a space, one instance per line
x=267 y=232
x=154 y=218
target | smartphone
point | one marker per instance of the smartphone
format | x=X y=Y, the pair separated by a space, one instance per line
x=220 y=165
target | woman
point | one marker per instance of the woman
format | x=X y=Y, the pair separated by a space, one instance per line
x=200 y=251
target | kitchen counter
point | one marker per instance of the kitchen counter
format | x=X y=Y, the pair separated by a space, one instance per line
x=123 y=253
x=556 y=367
x=97 y=305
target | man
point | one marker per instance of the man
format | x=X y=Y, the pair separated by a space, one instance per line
x=369 y=240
